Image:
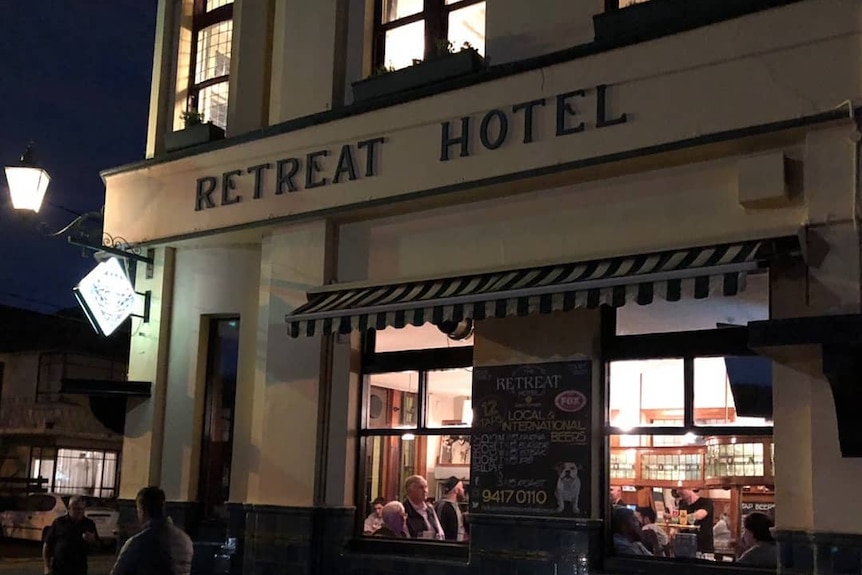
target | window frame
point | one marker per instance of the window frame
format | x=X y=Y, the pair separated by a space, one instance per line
x=688 y=346
x=421 y=362
x=201 y=19
x=435 y=14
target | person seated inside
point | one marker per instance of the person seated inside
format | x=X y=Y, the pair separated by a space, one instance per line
x=627 y=532
x=374 y=521
x=654 y=537
x=394 y=520
x=757 y=534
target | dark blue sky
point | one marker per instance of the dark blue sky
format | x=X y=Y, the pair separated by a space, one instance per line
x=75 y=78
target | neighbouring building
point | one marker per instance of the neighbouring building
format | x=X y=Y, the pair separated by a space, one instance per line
x=52 y=437
x=576 y=255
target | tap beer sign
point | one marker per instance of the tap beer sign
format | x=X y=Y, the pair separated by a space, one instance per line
x=531 y=446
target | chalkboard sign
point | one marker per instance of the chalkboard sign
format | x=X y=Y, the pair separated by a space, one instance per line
x=530 y=452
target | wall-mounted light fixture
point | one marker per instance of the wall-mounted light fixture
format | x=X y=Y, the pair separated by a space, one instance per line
x=107 y=293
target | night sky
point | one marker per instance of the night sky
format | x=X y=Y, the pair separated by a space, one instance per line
x=75 y=79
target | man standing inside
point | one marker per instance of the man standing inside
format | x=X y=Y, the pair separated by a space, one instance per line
x=422 y=522
x=68 y=541
x=448 y=511
x=616 y=496
x=160 y=548
x=700 y=513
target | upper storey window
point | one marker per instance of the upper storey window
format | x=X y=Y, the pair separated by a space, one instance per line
x=212 y=35
x=411 y=30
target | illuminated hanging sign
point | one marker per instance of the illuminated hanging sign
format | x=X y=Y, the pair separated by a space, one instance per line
x=107 y=296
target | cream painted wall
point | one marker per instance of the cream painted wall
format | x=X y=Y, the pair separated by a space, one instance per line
x=686 y=206
x=248 y=100
x=208 y=282
x=306 y=54
x=276 y=440
x=764 y=68
x=809 y=469
x=148 y=361
x=547 y=338
x=516 y=30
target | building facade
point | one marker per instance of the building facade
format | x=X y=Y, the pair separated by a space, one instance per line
x=52 y=438
x=555 y=250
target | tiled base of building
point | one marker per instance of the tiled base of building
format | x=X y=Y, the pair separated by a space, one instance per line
x=320 y=541
x=819 y=553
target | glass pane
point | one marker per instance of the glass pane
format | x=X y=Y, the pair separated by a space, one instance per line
x=393 y=400
x=467 y=25
x=449 y=397
x=213 y=4
x=693 y=314
x=212 y=103
x=404 y=44
x=395 y=9
x=213 y=51
x=646 y=392
x=390 y=460
x=733 y=391
x=427 y=336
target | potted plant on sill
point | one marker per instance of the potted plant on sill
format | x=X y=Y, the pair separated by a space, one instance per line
x=194 y=133
x=444 y=63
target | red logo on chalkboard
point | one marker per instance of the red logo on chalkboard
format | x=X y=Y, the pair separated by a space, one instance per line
x=570 y=401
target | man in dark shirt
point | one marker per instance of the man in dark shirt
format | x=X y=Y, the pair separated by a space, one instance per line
x=68 y=541
x=700 y=512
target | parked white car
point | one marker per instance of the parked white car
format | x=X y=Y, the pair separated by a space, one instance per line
x=30 y=516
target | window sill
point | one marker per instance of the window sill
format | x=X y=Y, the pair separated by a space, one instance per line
x=193 y=136
x=424 y=73
x=657 y=18
x=655 y=566
x=457 y=553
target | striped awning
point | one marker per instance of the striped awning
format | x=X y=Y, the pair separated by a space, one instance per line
x=671 y=275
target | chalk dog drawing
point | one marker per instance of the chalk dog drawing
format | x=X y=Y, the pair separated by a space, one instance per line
x=568 y=486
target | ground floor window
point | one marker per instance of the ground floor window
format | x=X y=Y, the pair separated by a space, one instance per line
x=76 y=471
x=691 y=457
x=416 y=436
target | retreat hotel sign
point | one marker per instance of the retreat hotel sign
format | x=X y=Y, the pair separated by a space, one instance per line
x=569 y=113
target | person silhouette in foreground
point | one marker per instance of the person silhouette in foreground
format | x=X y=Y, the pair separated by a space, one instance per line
x=160 y=548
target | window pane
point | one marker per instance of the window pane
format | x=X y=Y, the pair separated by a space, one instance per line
x=448 y=398
x=427 y=336
x=404 y=44
x=213 y=4
x=662 y=316
x=468 y=25
x=646 y=392
x=390 y=460
x=213 y=51
x=395 y=9
x=733 y=391
x=393 y=400
x=212 y=103
x=84 y=473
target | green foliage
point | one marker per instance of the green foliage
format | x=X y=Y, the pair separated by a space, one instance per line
x=192 y=118
x=380 y=70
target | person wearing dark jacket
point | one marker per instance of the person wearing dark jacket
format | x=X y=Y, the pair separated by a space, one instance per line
x=448 y=511
x=159 y=548
x=68 y=541
x=422 y=521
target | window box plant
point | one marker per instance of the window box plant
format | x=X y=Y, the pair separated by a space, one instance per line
x=195 y=132
x=444 y=65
